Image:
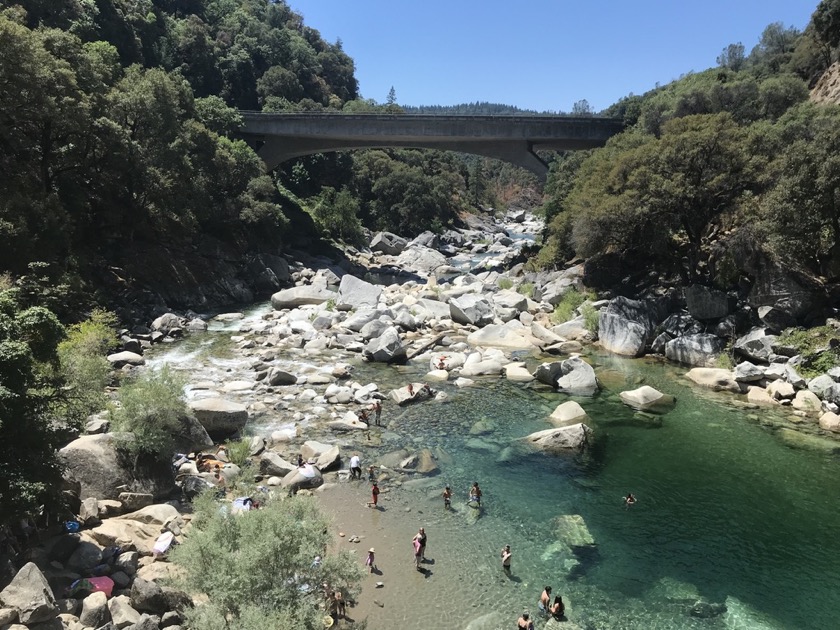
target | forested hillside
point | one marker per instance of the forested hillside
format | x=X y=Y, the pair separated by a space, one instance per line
x=121 y=172
x=719 y=176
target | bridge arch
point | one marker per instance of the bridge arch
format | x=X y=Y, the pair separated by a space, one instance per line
x=515 y=139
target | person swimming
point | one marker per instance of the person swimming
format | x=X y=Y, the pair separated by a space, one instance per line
x=629 y=500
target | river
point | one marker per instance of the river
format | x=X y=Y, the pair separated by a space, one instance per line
x=731 y=509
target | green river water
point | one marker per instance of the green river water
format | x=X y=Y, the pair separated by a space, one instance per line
x=733 y=507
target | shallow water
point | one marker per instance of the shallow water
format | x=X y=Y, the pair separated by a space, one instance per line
x=727 y=511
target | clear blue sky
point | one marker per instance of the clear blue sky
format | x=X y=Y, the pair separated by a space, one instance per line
x=537 y=54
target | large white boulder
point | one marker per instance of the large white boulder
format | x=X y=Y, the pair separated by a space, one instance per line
x=30 y=594
x=386 y=348
x=716 y=379
x=356 y=293
x=304 y=294
x=560 y=438
x=646 y=398
x=471 y=308
x=569 y=412
x=221 y=418
x=512 y=335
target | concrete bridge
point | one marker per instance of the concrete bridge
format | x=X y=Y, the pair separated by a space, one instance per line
x=514 y=139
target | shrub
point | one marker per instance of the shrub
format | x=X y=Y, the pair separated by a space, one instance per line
x=239 y=452
x=591 y=317
x=526 y=289
x=256 y=569
x=724 y=360
x=151 y=408
x=817 y=346
x=571 y=300
x=505 y=283
x=84 y=367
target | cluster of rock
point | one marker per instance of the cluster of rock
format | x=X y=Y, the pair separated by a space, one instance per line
x=165 y=329
x=115 y=544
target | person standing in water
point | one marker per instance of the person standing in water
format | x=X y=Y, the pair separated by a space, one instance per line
x=545 y=599
x=371 y=559
x=377 y=410
x=447 y=498
x=420 y=537
x=374 y=495
x=475 y=494
x=506 y=559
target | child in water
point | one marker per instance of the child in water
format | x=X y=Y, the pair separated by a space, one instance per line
x=447 y=498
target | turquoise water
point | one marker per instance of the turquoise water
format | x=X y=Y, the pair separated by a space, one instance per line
x=727 y=512
x=731 y=508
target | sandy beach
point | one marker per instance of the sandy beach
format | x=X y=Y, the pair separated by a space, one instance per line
x=451 y=589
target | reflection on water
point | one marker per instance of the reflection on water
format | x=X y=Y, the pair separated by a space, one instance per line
x=733 y=527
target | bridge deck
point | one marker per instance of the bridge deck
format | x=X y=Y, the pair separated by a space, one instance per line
x=283 y=136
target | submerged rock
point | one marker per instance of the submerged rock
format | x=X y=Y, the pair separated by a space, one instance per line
x=646 y=398
x=575 y=436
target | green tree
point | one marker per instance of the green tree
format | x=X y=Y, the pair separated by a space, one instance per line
x=256 y=569
x=826 y=20
x=337 y=213
x=804 y=203
x=29 y=389
x=152 y=408
x=85 y=369
x=732 y=57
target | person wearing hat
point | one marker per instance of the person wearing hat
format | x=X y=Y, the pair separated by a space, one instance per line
x=371 y=559
x=524 y=622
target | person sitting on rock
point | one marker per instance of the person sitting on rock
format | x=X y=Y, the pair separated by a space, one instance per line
x=410 y=390
x=441 y=363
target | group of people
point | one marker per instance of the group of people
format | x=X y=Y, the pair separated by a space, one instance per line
x=474 y=496
x=376 y=410
x=419 y=544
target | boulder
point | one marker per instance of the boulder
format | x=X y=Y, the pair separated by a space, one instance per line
x=278 y=377
x=626 y=326
x=704 y=303
x=95 y=610
x=120 y=359
x=775 y=319
x=830 y=422
x=471 y=308
x=388 y=243
x=785 y=289
x=679 y=324
x=299 y=296
x=122 y=613
x=103 y=471
x=806 y=401
x=561 y=438
x=329 y=459
x=569 y=412
x=548 y=373
x=30 y=594
x=716 y=379
x=221 y=418
x=482 y=367
x=781 y=390
x=192 y=436
x=354 y=293
x=573 y=330
x=756 y=345
x=700 y=349
x=746 y=372
x=271 y=464
x=417 y=393
x=577 y=378
x=435 y=308
x=820 y=384
x=512 y=335
x=544 y=335
x=167 y=322
x=147 y=596
x=304 y=477
x=759 y=396
x=421 y=260
x=518 y=373
x=646 y=398
x=508 y=299
x=387 y=348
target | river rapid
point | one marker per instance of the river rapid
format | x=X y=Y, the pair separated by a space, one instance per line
x=734 y=510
